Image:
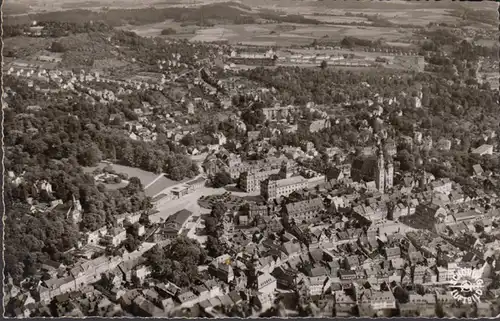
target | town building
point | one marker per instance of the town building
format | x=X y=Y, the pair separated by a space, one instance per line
x=278 y=112
x=250 y=181
x=232 y=164
x=173 y=226
x=305 y=210
x=272 y=189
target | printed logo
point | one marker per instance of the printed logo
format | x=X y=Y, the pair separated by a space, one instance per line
x=468 y=285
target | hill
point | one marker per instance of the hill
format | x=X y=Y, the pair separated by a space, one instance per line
x=226 y=12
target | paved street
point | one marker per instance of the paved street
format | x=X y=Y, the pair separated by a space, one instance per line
x=166 y=207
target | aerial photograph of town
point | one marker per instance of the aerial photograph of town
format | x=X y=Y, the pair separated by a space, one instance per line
x=251 y=159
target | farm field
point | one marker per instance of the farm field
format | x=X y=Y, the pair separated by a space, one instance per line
x=272 y=34
x=418 y=17
x=334 y=17
x=338 y=19
x=154 y=29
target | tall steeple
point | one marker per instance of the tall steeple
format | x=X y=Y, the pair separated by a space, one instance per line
x=389 y=174
x=380 y=171
x=286 y=170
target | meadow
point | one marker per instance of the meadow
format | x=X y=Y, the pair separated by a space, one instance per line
x=144 y=176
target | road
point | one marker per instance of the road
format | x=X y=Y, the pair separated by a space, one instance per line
x=166 y=207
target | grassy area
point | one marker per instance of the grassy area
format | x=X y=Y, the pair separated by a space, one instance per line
x=144 y=176
x=159 y=185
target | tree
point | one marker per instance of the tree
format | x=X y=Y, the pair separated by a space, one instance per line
x=134 y=186
x=90 y=156
x=406 y=160
x=168 y=31
x=188 y=140
x=177 y=262
x=211 y=226
x=214 y=247
x=253 y=116
x=221 y=179
x=132 y=243
x=57 y=47
x=218 y=210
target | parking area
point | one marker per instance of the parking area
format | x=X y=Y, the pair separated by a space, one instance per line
x=232 y=202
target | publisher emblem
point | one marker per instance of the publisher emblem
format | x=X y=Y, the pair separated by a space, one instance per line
x=467 y=286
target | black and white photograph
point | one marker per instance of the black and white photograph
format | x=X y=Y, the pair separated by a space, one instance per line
x=251 y=158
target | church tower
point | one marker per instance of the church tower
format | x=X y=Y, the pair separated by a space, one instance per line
x=380 y=171
x=389 y=174
x=286 y=170
x=75 y=213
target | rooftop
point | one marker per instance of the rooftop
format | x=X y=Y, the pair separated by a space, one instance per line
x=482 y=149
x=179 y=218
x=291 y=181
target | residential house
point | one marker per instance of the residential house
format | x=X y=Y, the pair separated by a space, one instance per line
x=444 y=144
x=372 y=301
x=187 y=299
x=484 y=149
x=253 y=135
x=393 y=252
x=477 y=170
x=142 y=307
x=141 y=273
x=351 y=262
x=266 y=283
x=286 y=277
x=116 y=236
x=344 y=304
x=222 y=270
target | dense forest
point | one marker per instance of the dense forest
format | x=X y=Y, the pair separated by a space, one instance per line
x=82 y=131
x=53 y=144
x=57 y=29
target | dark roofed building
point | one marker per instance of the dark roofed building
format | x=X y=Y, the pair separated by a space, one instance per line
x=304 y=210
x=173 y=225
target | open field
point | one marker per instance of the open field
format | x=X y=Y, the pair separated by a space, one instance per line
x=338 y=32
x=338 y=19
x=144 y=176
x=417 y=17
x=154 y=29
x=420 y=17
x=214 y=34
x=273 y=34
